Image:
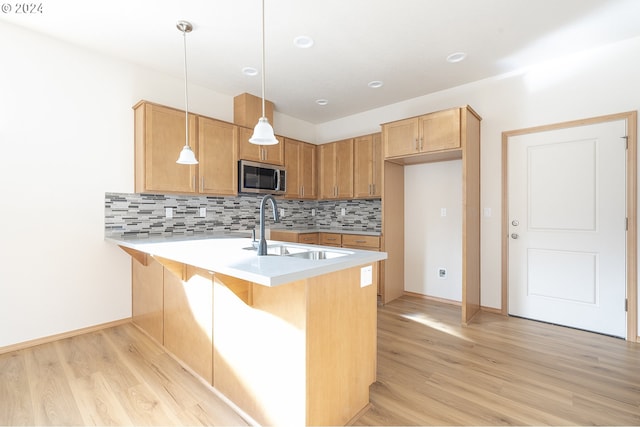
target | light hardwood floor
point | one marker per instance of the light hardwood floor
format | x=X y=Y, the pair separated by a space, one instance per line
x=497 y=371
x=431 y=371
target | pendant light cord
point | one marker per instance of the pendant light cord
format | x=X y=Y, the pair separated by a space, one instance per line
x=263 y=72
x=186 y=90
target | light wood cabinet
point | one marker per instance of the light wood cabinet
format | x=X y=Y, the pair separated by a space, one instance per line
x=272 y=154
x=428 y=133
x=367 y=166
x=335 y=170
x=188 y=316
x=294 y=237
x=361 y=241
x=300 y=163
x=147 y=297
x=218 y=148
x=159 y=138
x=330 y=239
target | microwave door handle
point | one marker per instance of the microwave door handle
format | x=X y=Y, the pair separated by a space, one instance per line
x=277 y=179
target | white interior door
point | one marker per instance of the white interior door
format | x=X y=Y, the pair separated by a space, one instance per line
x=567 y=227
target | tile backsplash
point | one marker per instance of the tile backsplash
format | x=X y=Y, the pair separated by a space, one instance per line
x=146 y=214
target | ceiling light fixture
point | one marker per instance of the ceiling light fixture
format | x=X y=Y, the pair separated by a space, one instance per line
x=322 y=101
x=249 y=71
x=263 y=132
x=375 y=84
x=456 y=57
x=303 y=42
x=187 y=157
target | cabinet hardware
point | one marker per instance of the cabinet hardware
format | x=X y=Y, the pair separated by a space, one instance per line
x=421 y=141
x=361 y=241
x=417 y=149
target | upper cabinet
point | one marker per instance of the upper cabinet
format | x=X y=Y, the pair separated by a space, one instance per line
x=429 y=133
x=272 y=154
x=300 y=163
x=159 y=138
x=367 y=166
x=218 y=148
x=335 y=170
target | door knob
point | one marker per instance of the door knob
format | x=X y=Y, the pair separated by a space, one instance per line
x=514 y=235
x=515 y=223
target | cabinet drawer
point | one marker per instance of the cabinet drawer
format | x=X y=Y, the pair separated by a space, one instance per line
x=331 y=239
x=308 y=238
x=360 y=241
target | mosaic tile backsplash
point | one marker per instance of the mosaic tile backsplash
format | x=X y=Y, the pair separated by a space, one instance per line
x=141 y=215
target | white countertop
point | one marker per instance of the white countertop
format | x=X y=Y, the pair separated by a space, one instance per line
x=228 y=256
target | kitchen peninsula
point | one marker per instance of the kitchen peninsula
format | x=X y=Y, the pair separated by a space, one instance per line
x=288 y=338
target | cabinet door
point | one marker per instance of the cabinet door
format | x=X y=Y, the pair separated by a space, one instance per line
x=159 y=138
x=362 y=166
x=308 y=238
x=327 y=171
x=400 y=138
x=308 y=171
x=440 y=131
x=292 y=164
x=273 y=154
x=377 y=163
x=218 y=144
x=344 y=168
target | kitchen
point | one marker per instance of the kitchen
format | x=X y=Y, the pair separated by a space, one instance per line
x=70 y=121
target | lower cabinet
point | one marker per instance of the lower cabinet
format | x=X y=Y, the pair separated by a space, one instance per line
x=147 y=296
x=295 y=237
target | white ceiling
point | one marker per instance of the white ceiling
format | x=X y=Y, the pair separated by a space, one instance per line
x=403 y=43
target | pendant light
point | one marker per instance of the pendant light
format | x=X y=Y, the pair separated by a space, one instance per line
x=187 y=157
x=263 y=132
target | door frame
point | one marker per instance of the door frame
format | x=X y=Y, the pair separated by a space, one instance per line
x=631 y=120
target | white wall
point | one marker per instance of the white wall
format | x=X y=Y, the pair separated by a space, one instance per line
x=599 y=82
x=66 y=138
x=433 y=241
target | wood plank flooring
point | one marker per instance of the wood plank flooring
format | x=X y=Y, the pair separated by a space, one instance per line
x=497 y=371
x=431 y=371
x=117 y=377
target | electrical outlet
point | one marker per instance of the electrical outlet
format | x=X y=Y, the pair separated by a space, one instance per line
x=442 y=273
x=343 y=211
x=168 y=213
x=313 y=212
x=282 y=212
x=203 y=212
x=443 y=211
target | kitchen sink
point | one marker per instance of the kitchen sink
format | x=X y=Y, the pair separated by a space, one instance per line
x=298 y=252
x=321 y=254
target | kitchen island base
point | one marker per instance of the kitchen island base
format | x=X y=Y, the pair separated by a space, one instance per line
x=298 y=353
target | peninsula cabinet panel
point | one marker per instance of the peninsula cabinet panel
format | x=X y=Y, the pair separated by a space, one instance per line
x=335 y=168
x=300 y=163
x=159 y=138
x=188 y=318
x=272 y=154
x=147 y=296
x=367 y=173
x=218 y=146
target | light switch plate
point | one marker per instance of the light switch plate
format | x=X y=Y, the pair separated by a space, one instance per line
x=168 y=212
x=203 y=212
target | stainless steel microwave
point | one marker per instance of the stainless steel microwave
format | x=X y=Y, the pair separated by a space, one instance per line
x=254 y=177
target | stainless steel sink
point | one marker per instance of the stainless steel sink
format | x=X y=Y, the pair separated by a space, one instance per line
x=321 y=254
x=298 y=252
x=281 y=250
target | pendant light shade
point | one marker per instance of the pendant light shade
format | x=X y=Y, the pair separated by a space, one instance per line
x=263 y=132
x=187 y=156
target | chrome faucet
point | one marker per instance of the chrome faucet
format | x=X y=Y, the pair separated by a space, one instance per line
x=262 y=246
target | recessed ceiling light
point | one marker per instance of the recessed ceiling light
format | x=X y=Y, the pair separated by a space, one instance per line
x=375 y=84
x=249 y=71
x=322 y=101
x=303 y=42
x=456 y=57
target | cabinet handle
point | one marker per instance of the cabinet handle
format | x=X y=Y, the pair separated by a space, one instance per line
x=421 y=140
x=361 y=241
x=194 y=182
x=302 y=190
x=417 y=147
x=331 y=239
x=373 y=187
